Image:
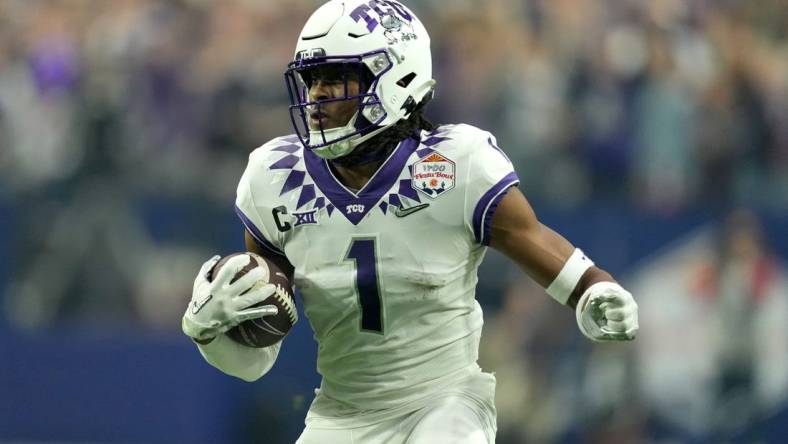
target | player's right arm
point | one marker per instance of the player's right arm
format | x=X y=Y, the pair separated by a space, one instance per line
x=230 y=357
x=218 y=305
x=234 y=359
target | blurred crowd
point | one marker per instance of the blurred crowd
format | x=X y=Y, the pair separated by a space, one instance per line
x=662 y=103
x=125 y=125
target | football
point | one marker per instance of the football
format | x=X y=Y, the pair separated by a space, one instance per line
x=267 y=331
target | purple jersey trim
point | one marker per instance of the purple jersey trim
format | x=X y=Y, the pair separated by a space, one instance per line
x=257 y=234
x=485 y=208
x=355 y=206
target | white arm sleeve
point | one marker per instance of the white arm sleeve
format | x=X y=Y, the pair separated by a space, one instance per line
x=234 y=359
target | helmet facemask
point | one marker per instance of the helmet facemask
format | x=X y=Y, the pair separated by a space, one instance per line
x=337 y=141
x=388 y=45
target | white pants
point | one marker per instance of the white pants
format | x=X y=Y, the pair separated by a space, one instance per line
x=463 y=415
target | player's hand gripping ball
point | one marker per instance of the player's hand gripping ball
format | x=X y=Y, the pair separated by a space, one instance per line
x=269 y=329
x=243 y=295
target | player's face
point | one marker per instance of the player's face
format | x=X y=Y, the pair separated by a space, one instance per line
x=332 y=82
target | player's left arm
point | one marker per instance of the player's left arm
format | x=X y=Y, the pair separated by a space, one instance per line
x=605 y=311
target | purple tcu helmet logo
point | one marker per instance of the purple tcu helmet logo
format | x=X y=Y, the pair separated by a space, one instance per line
x=381 y=8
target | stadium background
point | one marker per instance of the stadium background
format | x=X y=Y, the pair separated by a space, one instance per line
x=653 y=134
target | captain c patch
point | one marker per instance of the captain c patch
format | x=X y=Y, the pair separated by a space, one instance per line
x=433 y=175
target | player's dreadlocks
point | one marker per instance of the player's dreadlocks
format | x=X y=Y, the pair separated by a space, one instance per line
x=380 y=146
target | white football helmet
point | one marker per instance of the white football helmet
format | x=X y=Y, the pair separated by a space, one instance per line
x=389 y=47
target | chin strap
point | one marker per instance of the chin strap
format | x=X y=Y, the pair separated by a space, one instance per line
x=365 y=154
x=344 y=147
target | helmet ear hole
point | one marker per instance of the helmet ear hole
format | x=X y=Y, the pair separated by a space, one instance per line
x=405 y=81
x=409 y=105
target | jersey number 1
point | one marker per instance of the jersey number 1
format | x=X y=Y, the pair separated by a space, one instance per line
x=362 y=252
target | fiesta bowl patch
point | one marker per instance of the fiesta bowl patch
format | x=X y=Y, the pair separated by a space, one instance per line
x=433 y=175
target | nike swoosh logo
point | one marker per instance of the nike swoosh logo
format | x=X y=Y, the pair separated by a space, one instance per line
x=198 y=305
x=402 y=212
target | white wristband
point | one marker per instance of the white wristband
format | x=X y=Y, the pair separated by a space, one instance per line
x=564 y=284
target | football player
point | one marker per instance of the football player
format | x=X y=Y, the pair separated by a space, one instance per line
x=381 y=220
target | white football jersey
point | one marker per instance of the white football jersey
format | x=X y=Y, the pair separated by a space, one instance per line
x=387 y=274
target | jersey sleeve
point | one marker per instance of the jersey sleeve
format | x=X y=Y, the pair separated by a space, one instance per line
x=490 y=175
x=255 y=214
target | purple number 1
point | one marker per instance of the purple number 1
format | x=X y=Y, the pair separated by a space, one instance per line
x=362 y=252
